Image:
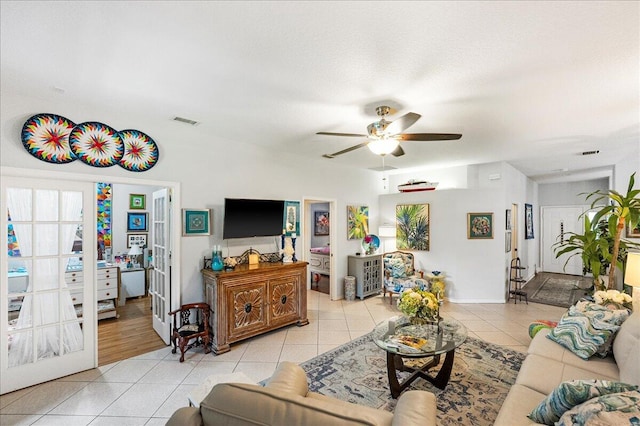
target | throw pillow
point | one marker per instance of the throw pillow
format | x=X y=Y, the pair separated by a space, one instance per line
x=571 y=394
x=602 y=313
x=538 y=325
x=398 y=269
x=581 y=335
x=603 y=409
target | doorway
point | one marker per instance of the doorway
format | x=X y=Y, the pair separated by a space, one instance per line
x=318 y=227
x=558 y=223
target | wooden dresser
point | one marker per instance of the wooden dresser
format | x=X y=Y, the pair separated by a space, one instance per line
x=252 y=300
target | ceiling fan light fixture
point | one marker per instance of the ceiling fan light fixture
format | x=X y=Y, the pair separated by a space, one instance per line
x=383 y=146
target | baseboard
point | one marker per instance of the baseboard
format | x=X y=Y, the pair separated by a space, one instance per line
x=451 y=300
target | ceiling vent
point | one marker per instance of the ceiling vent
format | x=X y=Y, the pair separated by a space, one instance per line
x=590 y=152
x=186 y=121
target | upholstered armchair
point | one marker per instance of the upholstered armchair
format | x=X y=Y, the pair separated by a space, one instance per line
x=400 y=273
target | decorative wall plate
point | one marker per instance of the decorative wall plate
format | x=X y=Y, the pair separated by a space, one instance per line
x=46 y=137
x=140 y=151
x=96 y=144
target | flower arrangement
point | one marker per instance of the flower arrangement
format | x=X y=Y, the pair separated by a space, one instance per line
x=613 y=298
x=416 y=303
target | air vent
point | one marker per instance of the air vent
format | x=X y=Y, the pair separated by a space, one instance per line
x=186 y=121
x=382 y=169
x=590 y=152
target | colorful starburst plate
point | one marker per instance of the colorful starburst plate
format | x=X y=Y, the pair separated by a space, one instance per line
x=140 y=151
x=46 y=137
x=96 y=144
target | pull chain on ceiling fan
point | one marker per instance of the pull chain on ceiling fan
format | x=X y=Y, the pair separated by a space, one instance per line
x=384 y=136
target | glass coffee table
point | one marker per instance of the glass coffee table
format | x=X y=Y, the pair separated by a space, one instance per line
x=405 y=343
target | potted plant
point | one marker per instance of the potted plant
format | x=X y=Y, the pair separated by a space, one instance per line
x=602 y=240
x=620 y=211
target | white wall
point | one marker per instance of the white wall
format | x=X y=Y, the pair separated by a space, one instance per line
x=570 y=193
x=208 y=168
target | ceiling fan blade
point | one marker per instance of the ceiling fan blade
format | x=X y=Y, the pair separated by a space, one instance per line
x=342 y=134
x=398 y=151
x=427 y=136
x=403 y=123
x=344 y=151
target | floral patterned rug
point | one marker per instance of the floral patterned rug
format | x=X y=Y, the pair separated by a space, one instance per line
x=481 y=377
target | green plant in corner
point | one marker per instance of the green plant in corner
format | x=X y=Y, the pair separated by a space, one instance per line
x=622 y=210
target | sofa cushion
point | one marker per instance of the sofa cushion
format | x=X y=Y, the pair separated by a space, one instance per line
x=544 y=374
x=289 y=377
x=242 y=404
x=519 y=402
x=572 y=393
x=626 y=349
x=611 y=409
x=582 y=335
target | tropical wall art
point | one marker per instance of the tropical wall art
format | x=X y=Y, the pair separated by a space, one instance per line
x=357 y=222
x=412 y=227
x=56 y=139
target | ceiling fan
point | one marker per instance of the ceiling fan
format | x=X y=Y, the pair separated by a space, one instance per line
x=384 y=136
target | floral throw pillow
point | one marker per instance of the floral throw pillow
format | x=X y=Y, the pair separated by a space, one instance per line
x=611 y=409
x=571 y=394
x=582 y=335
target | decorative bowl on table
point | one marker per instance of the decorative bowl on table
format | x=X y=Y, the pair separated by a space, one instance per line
x=370 y=243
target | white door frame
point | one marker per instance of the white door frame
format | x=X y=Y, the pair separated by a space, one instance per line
x=575 y=264
x=306 y=229
x=175 y=216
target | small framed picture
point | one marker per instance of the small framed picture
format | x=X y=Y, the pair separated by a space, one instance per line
x=508 y=220
x=507 y=241
x=196 y=222
x=137 y=221
x=136 y=239
x=633 y=233
x=137 y=201
x=321 y=223
x=479 y=226
x=528 y=222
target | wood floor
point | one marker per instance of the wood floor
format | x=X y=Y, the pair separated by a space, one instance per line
x=129 y=335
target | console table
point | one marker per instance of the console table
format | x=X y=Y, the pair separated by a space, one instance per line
x=254 y=299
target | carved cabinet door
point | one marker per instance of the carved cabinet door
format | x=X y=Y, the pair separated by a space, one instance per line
x=283 y=299
x=246 y=306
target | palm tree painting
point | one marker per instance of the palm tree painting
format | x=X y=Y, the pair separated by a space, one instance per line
x=412 y=227
x=357 y=222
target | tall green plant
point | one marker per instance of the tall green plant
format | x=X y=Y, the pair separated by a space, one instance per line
x=620 y=210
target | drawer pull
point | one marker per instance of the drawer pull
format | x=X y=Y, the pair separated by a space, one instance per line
x=107 y=283
x=73 y=299
x=108 y=294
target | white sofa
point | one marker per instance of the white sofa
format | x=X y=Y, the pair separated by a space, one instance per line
x=548 y=364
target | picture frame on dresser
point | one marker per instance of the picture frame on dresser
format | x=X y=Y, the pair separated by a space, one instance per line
x=137 y=221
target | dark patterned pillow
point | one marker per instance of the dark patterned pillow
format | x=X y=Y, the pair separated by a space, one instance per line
x=571 y=394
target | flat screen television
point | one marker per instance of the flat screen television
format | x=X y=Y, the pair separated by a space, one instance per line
x=244 y=218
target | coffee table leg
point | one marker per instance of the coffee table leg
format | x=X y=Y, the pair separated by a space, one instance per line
x=394 y=384
x=443 y=376
x=395 y=364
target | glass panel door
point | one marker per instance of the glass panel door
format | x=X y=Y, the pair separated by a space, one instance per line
x=48 y=303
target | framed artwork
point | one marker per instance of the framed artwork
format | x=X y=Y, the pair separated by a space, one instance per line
x=196 y=222
x=137 y=221
x=136 y=239
x=321 y=223
x=479 y=226
x=412 y=227
x=137 y=201
x=507 y=241
x=508 y=220
x=528 y=222
x=357 y=222
x=633 y=233
x=291 y=219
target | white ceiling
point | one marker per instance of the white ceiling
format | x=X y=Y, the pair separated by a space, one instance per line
x=531 y=83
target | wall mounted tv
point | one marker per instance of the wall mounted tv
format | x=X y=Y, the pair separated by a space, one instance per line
x=245 y=218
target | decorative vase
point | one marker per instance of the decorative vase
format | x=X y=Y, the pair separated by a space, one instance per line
x=216 y=260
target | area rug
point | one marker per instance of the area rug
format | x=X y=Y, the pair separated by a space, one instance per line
x=556 y=291
x=481 y=377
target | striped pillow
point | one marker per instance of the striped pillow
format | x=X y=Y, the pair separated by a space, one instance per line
x=582 y=335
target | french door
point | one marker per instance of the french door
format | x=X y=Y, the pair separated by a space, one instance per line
x=47 y=292
x=160 y=288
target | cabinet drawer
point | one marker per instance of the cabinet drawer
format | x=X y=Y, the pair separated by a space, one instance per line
x=314 y=262
x=77 y=296
x=73 y=278
x=326 y=264
x=107 y=283
x=108 y=294
x=111 y=273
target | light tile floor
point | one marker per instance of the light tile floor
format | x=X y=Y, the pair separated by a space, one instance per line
x=147 y=389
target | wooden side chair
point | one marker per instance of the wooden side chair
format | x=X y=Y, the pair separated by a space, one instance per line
x=190 y=328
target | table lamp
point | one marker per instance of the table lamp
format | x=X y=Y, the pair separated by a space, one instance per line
x=134 y=252
x=632 y=277
x=386 y=231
